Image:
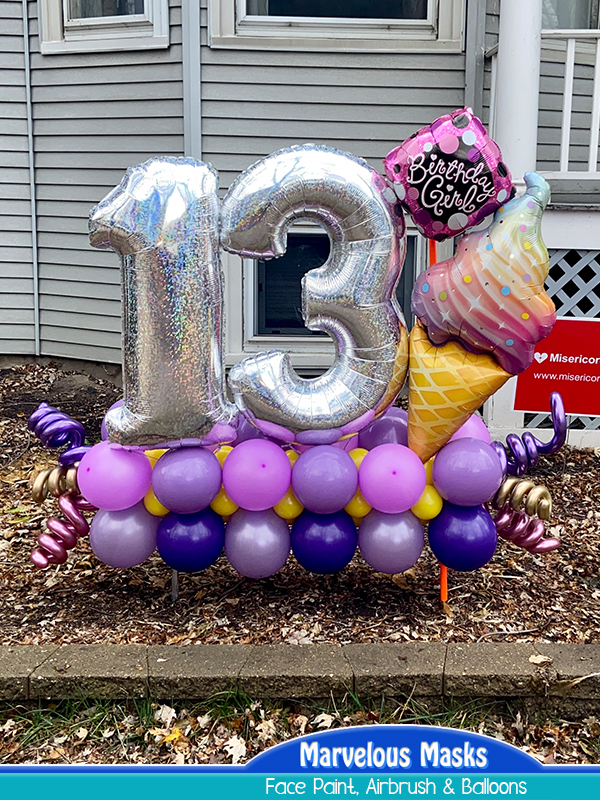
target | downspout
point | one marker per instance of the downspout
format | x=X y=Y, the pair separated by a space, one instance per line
x=475 y=55
x=192 y=110
x=34 y=243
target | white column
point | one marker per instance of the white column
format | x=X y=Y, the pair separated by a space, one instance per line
x=515 y=130
x=518 y=84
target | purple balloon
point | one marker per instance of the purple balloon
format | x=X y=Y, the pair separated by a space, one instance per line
x=124 y=539
x=113 y=478
x=246 y=430
x=473 y=428
x=186 y=480
x=257 y=543
x=391 y=543
x=324 y=479
x=324 y=543
x=256 y=474
x=103 y=430
x=463 y=538
x=467 y=472
x=391 y=478
x=390 y=428
x=190 y=542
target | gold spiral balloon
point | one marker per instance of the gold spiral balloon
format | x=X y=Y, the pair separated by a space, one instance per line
x=55 y=481
x=515 y=490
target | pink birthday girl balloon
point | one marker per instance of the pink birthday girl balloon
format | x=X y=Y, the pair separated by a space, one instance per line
x=449 y=175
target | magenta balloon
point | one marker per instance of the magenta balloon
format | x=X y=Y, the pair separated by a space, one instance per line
x=257 y=543
x=187 y=480
x=256 y=474
x=124 y=539
x=390 y=428
x=391 y=478
x=324 y=479
x=103 y=431
x=467 y=472
x=474 y=428
x=391 y=543
x=113 y=478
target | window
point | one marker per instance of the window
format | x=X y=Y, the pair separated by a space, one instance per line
x=348 y=25
x=78 y=26
x=569 y=14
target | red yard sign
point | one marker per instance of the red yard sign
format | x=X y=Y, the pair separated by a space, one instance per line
x=567 y=361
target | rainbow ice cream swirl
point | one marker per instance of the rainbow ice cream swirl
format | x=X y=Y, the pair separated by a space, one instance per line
x=490 y=295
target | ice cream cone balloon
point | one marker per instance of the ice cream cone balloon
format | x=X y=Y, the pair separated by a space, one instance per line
x=446 y=385
x=490 y=294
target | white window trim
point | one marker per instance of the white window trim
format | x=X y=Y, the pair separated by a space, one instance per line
x=308 y=352
x=137 y=32
x=230 y=27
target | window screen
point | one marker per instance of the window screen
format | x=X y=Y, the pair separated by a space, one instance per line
x=361 y=9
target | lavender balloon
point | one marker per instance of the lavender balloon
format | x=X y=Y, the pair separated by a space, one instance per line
x=324 y=479
x=103 y=429
x=390 y=428
x=257 y=543
x=473 y=428
x=324 y=543
x=467 y=472
x=391 y=543
x=463 y=538
x=256 y=474
x=190 y=542
x=124 y=539
x=186 y=480
x=113 y=478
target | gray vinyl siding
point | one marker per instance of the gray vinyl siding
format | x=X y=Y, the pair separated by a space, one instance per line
x=17 y=331
x=492 y=22
x=255 y=102
x=95 y=114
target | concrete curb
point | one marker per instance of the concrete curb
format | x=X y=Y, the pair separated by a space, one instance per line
x=548 y=675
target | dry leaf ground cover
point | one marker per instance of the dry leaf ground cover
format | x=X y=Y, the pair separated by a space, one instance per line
x=516 y=597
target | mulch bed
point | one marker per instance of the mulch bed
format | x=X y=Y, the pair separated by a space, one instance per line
x=516 y=597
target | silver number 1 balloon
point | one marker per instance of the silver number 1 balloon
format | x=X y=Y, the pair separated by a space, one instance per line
x=351 y=297
x=163 y=221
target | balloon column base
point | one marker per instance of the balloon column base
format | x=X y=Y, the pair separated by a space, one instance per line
x=174 y=585
x=443 y=583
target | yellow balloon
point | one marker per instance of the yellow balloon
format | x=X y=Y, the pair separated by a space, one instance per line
x=223 y=504
x=429 y=471
x=288 y=507
x=154 y=455
x=153 y=505
x=357 y=521
x=428 y=505
x=222 y=453
x=358 y=506
x=357 y=455
x=293 y=456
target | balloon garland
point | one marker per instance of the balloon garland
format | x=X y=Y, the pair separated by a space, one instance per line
x=317 y=467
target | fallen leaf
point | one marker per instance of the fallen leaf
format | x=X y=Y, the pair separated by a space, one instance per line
x=537 y=659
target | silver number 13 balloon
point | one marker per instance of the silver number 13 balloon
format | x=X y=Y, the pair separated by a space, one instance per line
x=162 y=221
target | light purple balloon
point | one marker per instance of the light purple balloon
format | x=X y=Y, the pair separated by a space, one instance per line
x=391 y=478
x=113 y=478
x=103 y=431
x=256 y=474
x=257 y=543
x=474 y=428
x=467 y=472
x=324 y=479
x=389 y=428
x=124 y=539
x=391 y=543
x=187 y=480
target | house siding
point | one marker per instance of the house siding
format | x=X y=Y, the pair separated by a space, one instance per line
x=17 y=326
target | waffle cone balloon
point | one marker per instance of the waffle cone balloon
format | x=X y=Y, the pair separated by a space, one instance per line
x=490 y=294
x=446 y=385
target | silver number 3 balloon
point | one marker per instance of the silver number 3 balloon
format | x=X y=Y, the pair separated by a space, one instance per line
x=351 y=297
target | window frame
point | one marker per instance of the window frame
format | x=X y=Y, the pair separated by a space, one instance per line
x=59 y=34
x=230 y=27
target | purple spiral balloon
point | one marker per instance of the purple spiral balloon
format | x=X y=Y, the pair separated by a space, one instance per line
x=54 y=428
x=522 y=453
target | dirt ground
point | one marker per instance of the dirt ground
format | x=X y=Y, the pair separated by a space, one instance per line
x=516 y=597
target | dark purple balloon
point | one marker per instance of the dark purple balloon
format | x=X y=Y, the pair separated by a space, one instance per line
x=187 y=480
x=463 y=538
x=390 y=428
x=191 y=542
x=324 y=543
x=324 y=479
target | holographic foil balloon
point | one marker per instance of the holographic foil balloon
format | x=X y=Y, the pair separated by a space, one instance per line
x=449 y=175
x=351 y=296
x=490 y=295
x=163 y=221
